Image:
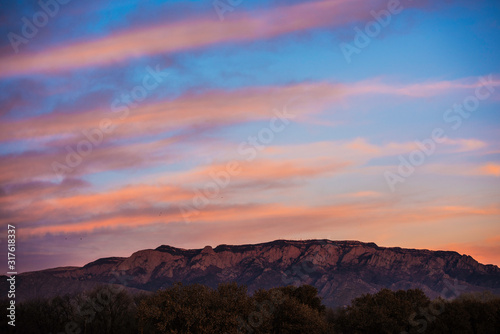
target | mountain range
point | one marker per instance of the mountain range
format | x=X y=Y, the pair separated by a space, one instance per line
x=340 y=270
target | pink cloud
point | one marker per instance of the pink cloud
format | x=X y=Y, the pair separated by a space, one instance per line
x=214 y=107
x=190 y=34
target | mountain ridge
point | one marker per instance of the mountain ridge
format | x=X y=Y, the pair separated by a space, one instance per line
x=340 y=270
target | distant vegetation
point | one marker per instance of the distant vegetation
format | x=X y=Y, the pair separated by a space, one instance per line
x=230 y=309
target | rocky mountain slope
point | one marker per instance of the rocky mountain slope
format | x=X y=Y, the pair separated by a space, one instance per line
x=340 y=270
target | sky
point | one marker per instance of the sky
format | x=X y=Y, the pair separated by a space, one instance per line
x=126 y=125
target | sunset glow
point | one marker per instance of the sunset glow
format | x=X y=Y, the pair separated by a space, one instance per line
x=130 y=125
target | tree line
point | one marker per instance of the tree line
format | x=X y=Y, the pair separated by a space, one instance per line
x=230 y=309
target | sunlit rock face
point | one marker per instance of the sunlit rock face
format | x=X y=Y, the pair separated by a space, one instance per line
x=340 y=270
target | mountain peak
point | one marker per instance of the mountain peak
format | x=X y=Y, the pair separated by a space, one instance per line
x=207 y=250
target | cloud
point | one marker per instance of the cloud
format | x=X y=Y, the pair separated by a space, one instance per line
x=363 y=194
x=465 y=145
x=38 y=165
x=265 y=169
x=189 y=34
x=490 y=169
x=213 y=108
x=140 y=205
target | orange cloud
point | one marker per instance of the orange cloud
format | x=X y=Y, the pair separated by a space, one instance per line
x=266 y=170
x=136 y=195
x=248 y=214
x=467 y=210
x=58 y=206
x=50 y=202
x=378 y=213
x=363 y=194
x=491 y=169
x=105 y=157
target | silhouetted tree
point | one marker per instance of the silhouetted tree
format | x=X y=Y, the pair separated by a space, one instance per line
x=384 y=312
x=195 y=309
x=198 y=309
x=107 y=309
